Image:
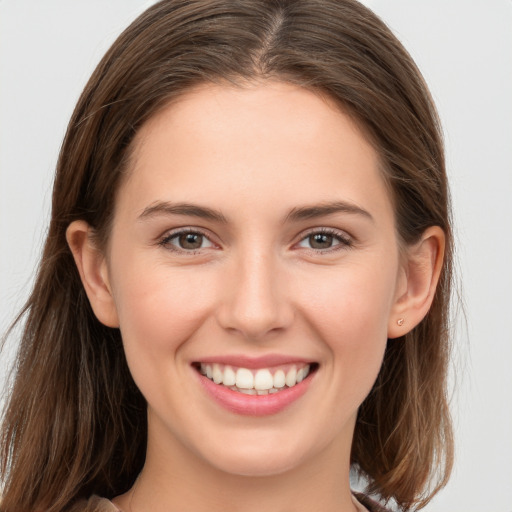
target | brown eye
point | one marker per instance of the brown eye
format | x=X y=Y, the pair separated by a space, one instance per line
x=186 y=241
x=190 y=241
x=320 y=241
x=325 y=241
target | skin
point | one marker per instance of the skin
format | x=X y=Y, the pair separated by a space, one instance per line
x=257 y=285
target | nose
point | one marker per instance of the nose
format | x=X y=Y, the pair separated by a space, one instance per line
x=255 y=300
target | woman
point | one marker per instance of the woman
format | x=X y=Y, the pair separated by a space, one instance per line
x=244 y=290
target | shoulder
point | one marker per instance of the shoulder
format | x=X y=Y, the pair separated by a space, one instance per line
x=95 y=504
x=370 y=504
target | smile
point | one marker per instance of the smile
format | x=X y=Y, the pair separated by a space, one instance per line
x=262 y=381
x=261 y=389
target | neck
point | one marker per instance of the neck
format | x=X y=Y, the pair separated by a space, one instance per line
x=174 y=479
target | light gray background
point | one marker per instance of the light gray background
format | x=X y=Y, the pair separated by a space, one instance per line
x=48 y=48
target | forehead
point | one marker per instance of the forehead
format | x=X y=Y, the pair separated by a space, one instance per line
x=250 y=142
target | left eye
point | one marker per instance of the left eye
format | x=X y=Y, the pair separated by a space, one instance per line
x=187 y=241
x=323 y=241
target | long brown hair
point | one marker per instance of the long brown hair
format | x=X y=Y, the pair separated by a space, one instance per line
x=75 y=423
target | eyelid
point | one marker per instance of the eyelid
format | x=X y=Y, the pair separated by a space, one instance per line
x=346 y=241
x=164 y=240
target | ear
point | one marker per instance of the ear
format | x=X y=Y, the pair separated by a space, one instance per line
x=418 y=281
x=93 y=271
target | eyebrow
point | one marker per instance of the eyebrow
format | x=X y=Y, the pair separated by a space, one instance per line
x=321 y=210
x=193 y=210
x=296 y=214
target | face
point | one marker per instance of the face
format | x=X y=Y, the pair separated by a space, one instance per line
x=253 y=241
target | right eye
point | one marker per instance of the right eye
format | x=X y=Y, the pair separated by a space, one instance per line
x=186 y=241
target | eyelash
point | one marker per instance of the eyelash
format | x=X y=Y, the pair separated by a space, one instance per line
x=344 y=241
x=166 y=240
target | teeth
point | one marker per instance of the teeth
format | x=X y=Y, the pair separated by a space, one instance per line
x=263 y=380
x=255 y=382
x=291 y=377
x=244 y=378
x=217 y=374
x=248 y=391
x=279 y=379
x=229 y=377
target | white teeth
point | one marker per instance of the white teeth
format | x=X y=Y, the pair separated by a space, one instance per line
x=263 y=380
x=252 y=382
x=229 y=377
x=279 y=379
x=244 y=378
x=291 y=377
x=248 y=391
x=217 y=374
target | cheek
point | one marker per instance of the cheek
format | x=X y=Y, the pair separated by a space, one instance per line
x=350 y=312
x=158 y=313
x=357 y=298
x=159 y=310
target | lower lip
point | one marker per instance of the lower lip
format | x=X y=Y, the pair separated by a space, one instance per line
x=254 y=405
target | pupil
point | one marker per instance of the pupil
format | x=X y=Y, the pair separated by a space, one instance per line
x=320 y=241
x=191 y=241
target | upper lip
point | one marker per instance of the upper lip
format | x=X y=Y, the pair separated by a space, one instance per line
x=254 y=362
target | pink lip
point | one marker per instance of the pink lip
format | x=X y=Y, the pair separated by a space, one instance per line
x=253 y=405
x=243 y=361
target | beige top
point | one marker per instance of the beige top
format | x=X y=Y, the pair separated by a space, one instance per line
x=97 y=504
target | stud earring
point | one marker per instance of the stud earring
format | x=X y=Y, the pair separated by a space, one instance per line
x=400 y=322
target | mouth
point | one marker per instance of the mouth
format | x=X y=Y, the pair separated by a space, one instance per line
x=255 y=386
x=256 y=381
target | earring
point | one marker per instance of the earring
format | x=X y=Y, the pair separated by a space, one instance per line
x=400 y=322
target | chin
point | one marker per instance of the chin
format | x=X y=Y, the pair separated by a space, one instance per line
x=257 y=459
x=257 y=467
